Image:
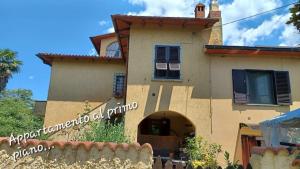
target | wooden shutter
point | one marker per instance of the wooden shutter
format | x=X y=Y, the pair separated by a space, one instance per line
x=161 y=54
x=239 y=86
x=283 y=88
x=174 y=54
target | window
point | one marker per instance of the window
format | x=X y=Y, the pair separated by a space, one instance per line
x=261 y=87
x=167 y=62
x=113 y=50
x=119 y=85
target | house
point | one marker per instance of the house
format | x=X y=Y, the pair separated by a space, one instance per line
x=184 y=79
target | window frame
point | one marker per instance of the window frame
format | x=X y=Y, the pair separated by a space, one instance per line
x=240 y=88
x=154 y=77
x=115 y=85
x=114 y=42
x=273 y=86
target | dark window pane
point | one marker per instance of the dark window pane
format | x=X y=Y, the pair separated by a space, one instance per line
x=174 y=55
x=260 y=87
x=174 y=74
x=239 y=86
x=168 y=55
x=161 y=54
x=160 y=73
x=119 y=85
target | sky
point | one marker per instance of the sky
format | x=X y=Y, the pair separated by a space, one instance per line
x=64 y=26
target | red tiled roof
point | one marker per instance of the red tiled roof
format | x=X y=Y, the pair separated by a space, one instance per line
x=96 y=40
x=49 y=57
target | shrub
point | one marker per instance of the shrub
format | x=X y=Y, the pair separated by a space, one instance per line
x=201 y=153
x=16 y=113
x=230 y=165
x=106 y=131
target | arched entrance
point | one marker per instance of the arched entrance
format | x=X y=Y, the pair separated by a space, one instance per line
x=166 y=132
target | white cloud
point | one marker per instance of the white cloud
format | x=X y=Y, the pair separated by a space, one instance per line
x=290 y=36
x=179 y=8
x=235 y=33
x=240 y=8
x=248 y=36
x=110 y=30
x=103 y=23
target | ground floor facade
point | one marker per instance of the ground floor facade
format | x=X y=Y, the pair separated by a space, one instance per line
x=165 y=124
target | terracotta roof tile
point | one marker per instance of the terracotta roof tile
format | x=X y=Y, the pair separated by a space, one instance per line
x=75 y=144
x=49 y=57
x=296 y=162
x=262 y=150
x=96 y=40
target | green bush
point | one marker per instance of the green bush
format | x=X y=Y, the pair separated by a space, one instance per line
x=16 y=113
x=201 y=153
x=106 y=131
x=230 y=165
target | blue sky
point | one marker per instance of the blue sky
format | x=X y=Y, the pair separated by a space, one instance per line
x=64 y=26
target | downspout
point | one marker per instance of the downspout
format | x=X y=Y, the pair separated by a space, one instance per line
x=210 y=98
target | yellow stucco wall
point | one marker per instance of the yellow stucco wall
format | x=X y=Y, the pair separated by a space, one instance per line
x=226 y=115
x=39 y=108
x=178 y=96
x=105 y=43
x=72 y=83
x=203 y=94
x=208 y=105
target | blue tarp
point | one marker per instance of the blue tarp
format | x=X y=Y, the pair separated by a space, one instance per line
x=283 y=128
x=283 y=119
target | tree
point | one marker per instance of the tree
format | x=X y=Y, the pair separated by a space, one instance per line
x=16 y=113
x=8 y=65
x=295 y=18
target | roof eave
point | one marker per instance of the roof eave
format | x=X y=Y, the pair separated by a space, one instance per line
x=49 y=58
x=252 y=50
x=94 y=40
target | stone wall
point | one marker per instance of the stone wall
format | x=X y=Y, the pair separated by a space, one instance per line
x=274 y=158
x=77 y=155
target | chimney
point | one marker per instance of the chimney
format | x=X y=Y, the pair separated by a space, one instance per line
x=214 y=11
x=216 y=37
x=200 y=10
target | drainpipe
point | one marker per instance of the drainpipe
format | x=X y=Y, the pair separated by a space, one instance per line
x=210 y=98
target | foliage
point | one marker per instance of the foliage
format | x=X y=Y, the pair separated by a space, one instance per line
x=295 y=18
x=201 y=153
x=16 y=112
x=230 y=165
x=106 y=131
x=43 y=136
x=87 y=107
x=8 y=65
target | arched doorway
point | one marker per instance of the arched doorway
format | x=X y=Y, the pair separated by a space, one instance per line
x=166 y=132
